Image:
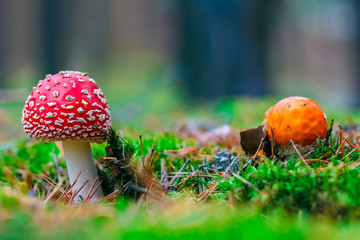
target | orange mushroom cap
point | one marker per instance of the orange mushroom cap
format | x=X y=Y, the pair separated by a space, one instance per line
x=295 y=118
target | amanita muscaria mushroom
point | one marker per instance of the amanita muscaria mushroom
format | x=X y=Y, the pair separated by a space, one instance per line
x=70 y=107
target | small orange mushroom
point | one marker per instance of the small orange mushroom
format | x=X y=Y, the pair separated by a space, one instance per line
x=295 y=118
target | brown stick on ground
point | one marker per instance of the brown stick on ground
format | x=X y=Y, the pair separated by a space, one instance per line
x=301 y=157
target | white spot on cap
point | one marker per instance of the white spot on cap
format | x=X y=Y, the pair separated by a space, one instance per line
x=56 y=82
x=84 y=91
x=67 y=107
x=92 y=80
x=80 y=119
x=31 y=103
x=65 y=85
x=59 y=122
x=42 y=108
x=98 y=91
x=56 y=93
x=91 y=118
x=67 y=74
x=71 y=115
x=36 y=116
x=47 y=87
x=48 y=122
x=51 y=104
x=69 y=98
x=85 y=135
x=73 y=84
x=90 y=112
x=63 y=114
x=102 y=117
x=84 y=102
x=42 y=97
x=97 y=105
x=80 y=110
x=79 y=78
x=49 y=114
x=70 y=121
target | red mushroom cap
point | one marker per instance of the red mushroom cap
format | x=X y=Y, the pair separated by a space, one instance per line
x=67 y=106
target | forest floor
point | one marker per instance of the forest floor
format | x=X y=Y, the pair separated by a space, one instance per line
x=193 y=180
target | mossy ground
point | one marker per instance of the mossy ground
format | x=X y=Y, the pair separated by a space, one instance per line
x=276 y=199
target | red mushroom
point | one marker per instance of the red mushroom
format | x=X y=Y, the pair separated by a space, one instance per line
x=69 y=107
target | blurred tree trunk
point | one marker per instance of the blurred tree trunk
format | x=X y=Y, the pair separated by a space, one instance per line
x=223 y=47
x=17 y=36
x=72 y=32
x=2 y=45
x=53 y=30
x=357 y=49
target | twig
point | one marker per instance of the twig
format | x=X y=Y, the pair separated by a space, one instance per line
x=356 y=147
x=349 y=153
x=176 y=175
x=192 y=174
x=204 y=195
x=326 y=154
x=142 y=148
x=244 y=181
x=96 y=189
x=75 y=192
x=252 y=159
x=301 y=157
x=228 y=168
x=146 y=191
x=341 y=139
x=56 y=189
x=110 y=196
x=214 y=184
x=92 y=187
x=341 y=146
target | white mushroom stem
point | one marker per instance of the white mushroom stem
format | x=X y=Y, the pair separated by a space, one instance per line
x=78 y=158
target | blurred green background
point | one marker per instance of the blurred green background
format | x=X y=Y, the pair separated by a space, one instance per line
x=161 y=61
